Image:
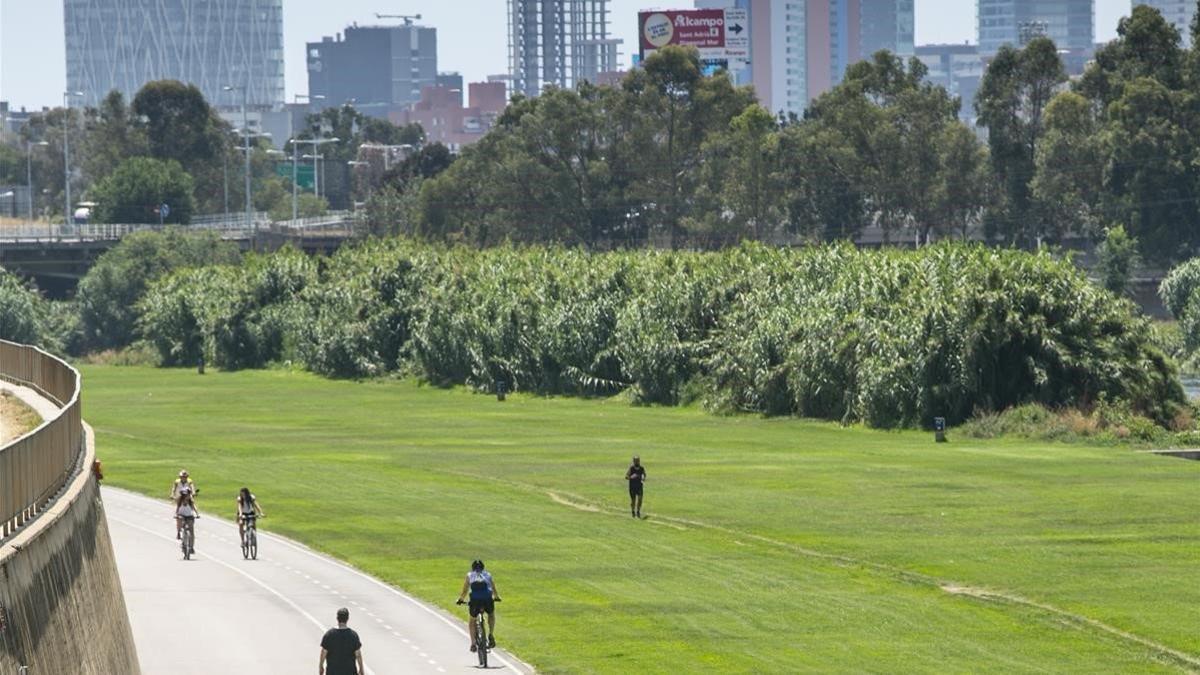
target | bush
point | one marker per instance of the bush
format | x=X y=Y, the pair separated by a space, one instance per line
x=135 y=189
x=109 y=294
x=891 y=338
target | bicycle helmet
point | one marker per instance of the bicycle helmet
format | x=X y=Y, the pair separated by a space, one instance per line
x=477 y=566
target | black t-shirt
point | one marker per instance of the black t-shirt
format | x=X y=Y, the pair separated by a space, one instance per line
x=636 y=473
x=340 y=645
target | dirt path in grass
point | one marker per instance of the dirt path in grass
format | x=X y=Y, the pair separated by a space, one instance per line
x=1183 y=660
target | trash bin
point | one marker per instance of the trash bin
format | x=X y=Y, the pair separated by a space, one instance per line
x=939 y=429
x=501 y=389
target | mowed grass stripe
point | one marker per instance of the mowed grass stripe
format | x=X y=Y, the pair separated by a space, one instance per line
x=411 y=482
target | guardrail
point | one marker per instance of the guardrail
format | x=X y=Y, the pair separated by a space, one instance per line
x=35 y=467
x=229 y=226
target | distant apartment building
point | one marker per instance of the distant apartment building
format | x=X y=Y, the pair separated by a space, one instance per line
x=441 y=113
x=559 y=43
x=379 y=69
x=956 y=67
x=1178 y=13
x=123 y=44
x=1069 y=23
x=800 y=49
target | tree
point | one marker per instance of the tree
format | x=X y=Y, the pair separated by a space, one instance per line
x=181 y=125
x=964 y=183
x=821 y=175
x=1068 y=184
x=1011 y=100
x=1118 y=260
x=113 y=134
x=1152 y=178
x=113 y=286
x=673 y=108
x=1147 y=46
x=133 y=192
x=741 y=179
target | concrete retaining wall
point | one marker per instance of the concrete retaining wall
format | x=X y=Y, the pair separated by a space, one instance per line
x=62 y=608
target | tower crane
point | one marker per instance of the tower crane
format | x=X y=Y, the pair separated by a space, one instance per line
x=406 y=18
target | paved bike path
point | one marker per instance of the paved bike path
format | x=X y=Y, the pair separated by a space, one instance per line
x=219 y=613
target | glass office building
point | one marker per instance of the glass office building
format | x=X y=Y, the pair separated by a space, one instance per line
x=123 y=44
x=1069 y=23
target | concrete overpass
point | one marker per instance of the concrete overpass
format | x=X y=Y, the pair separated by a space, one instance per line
x=57 y=256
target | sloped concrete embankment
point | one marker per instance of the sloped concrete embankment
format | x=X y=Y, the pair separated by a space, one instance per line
x=61 y=607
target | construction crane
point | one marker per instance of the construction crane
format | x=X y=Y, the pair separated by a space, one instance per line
x=407 y=18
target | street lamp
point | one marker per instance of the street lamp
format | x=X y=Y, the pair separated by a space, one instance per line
x=246 y=128
x=315 y=142
x=29 y=146
x=295 y=157
x=70 y=215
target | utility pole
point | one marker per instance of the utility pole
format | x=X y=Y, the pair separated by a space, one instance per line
x=69 y=214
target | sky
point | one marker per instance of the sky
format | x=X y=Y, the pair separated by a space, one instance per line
x=471 y=35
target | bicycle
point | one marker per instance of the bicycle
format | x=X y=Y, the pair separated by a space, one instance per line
x=250 y=536
x=188 y=536
x=479 y=629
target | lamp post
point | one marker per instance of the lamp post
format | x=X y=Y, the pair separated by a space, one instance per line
x=70 y=215
x=295 y=154
x=246 y=128
x=29 y=146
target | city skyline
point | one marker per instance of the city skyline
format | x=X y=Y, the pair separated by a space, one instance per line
x=472 y=36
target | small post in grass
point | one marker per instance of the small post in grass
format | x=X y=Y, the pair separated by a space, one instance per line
x=501 y=389
x=939 y=429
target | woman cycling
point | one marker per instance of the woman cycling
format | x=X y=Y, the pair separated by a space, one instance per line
x=247 y=505
x=186 y=512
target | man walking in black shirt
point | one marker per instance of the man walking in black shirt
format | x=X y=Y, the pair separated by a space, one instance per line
x=341 y=650
x=636 y=475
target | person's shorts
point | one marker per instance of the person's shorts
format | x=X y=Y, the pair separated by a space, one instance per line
x=485 y=605
x=635 y=488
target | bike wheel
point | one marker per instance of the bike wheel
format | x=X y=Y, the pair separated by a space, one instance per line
x=187 y=543
x=481 y=647
x=253 y=544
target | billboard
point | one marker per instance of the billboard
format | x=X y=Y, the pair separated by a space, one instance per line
x=721 y=35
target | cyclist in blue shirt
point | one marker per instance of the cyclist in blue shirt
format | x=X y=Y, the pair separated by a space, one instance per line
x=482 y=587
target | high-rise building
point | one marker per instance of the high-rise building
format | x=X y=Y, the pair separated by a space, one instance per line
x=558 y=43
x=800 y=49
x=1069 y=23
x=1178 y=13
x=887 y=24
x=123 y=44
x=957 y=68
x=380 y=69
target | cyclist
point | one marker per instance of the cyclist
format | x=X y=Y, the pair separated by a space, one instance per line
x=176 y=488
x=482 y=588
x=185 y=510
x=247 y=505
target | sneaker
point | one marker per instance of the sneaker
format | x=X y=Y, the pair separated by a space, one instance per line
x=491 y=642
x=472 y=646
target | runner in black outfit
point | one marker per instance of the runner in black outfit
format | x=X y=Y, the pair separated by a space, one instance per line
x=341 y=650
x=636 y=475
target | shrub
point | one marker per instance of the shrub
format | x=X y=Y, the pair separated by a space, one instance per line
x=891 y=338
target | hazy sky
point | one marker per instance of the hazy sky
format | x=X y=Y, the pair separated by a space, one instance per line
x=471 y=35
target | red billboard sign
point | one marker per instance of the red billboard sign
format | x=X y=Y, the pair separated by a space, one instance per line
x=718 y=33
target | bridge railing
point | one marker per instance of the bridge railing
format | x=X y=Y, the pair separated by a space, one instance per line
x=229 y=226
x=35 y=467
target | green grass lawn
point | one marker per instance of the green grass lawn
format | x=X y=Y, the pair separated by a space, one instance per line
x=770 y=545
